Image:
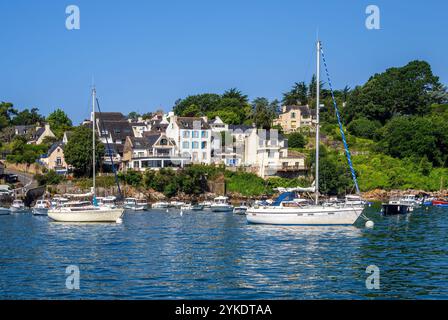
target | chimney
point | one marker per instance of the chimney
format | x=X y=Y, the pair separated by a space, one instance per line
x=47 y=127
x=284 y=109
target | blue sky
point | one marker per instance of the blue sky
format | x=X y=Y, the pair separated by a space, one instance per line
x=146 y=54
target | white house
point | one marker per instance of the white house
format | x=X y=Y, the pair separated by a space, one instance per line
x=193 y=136
x=152 y=152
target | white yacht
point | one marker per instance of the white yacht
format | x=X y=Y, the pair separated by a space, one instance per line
x=221 y=204
x=91 y=212
x=286 y=211
x=17 y=206
x=41 y=208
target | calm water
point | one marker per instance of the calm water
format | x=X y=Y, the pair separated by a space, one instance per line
x=159 y=255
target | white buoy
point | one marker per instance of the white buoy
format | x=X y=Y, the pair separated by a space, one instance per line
x=181 y=213
x=167 y=210
x=119 y=221
x=370 y=224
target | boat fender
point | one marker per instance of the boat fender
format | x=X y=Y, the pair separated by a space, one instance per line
x=370 y=224
x=119 y=221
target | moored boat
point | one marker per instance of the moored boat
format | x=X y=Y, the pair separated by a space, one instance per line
x=241 y=209
x=395 y=207
x=286 y=211
x=221 y=204
x=440 y=203
x=134 y=205
x=160 y=205
x=17 y=206
x=4 y=211
x=41 y=208
x=90 y=212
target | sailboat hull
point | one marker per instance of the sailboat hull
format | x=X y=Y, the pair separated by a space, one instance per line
x=100 y=215
x=304 y=216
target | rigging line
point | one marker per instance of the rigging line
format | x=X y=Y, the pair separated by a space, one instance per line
x=110 y=154
x=344 y=140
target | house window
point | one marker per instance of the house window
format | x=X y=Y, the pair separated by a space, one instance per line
x=117 y=131
x=163 y=142
x=185 y=145
x=58 y=161
x=204 y=134
x=195 y=134
x=186 y=134
x=136 y=165
x=195 y=145
x=293 y=115
x=204 y=145
x=204 y=155
x=195 y=156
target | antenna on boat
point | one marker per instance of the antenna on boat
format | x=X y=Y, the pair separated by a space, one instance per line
x=317 y=121
x=93 y=140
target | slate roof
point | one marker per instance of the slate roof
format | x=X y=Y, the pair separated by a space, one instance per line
x=21 y=129
x=188 y=123
x=54 y=146
x=110 y=116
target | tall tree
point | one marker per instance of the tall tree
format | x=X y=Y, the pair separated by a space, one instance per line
x=262 y=114
x=59 y=122
x=28 y=117
x=298 y=95
x=7 y=111
x=78 y=151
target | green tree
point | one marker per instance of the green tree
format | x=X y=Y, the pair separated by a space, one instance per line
x=364 y=128
x=397 y=91
x=59 y=122
x=298 y=95
x=192 y=111
x=78 y=151
x=7 y=111
x=262 y=113
x=28 y=117
x=296 y=140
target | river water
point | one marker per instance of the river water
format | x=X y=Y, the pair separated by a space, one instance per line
x=204 y=255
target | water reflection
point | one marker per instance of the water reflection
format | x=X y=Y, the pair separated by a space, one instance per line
x=157 y=254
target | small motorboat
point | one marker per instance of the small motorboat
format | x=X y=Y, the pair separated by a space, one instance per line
x=173 y=204
x=197 y=207
x=241 y=209
x=132 y=204
x=395 y=207
x=186 y=207
x=440 y=203
x=108 y=202
x=206 y=204
x=17 y=206
x=221 y=204
x=41 y=208
x=4 y=211
x=161 y=205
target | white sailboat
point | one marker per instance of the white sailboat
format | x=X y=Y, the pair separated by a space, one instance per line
x=283 y=213
x=92 y=212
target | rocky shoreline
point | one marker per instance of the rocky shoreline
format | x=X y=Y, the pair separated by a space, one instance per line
x=153 y=196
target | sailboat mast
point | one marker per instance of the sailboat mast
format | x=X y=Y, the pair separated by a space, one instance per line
x=317 y=121
x=93 y=140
